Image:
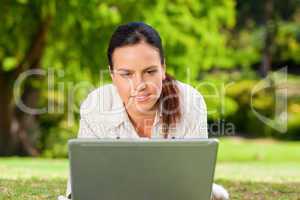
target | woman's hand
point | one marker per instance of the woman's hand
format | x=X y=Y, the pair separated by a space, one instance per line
x=62 y=198
x=219 y=193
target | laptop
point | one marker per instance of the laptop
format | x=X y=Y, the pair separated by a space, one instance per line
x=137 y=169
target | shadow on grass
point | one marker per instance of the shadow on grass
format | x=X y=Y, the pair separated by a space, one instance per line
x=261 y=190
x=39 y=189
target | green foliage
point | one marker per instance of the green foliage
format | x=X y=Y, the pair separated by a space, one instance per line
x=213 y=88
x=231 y=97
x=56 y=145
x=288 y=41
x=251 y=28
x=194 y=34
x=293 y=126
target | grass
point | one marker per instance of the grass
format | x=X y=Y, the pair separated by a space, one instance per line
x=266 y=150
x=249 y=169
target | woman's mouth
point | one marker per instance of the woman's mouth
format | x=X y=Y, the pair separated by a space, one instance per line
x=142 y=98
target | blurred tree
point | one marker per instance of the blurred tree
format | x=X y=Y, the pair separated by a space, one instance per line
x=23 y=38
x=272 y=28
x=39 y=34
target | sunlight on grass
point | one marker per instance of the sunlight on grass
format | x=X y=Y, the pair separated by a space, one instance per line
x=259 y=171
x=238 y=159
x=266 y=150
x=15 y=168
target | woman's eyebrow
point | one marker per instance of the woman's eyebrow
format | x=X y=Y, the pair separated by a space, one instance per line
x=150 y=67
x=123 y=69
x=128 y=70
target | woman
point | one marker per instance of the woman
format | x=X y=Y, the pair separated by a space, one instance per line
x=143 y=100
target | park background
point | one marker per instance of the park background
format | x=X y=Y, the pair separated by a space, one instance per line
x=243 y=56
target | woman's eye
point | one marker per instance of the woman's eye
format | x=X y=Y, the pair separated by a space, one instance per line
x=125 y=75
x=151 y=71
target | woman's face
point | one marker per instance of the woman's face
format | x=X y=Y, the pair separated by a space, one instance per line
x=138 y=74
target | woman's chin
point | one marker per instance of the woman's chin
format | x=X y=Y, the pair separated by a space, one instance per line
x=144 y=107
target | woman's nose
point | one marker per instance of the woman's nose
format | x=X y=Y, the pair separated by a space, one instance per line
x=139 y=83
x=141 y=86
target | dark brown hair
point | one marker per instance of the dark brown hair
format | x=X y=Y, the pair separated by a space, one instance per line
x=133 y=33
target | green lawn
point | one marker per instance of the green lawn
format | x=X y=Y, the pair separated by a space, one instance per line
x=249 y=169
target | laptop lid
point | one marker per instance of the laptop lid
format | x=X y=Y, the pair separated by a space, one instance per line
x=124 y=169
